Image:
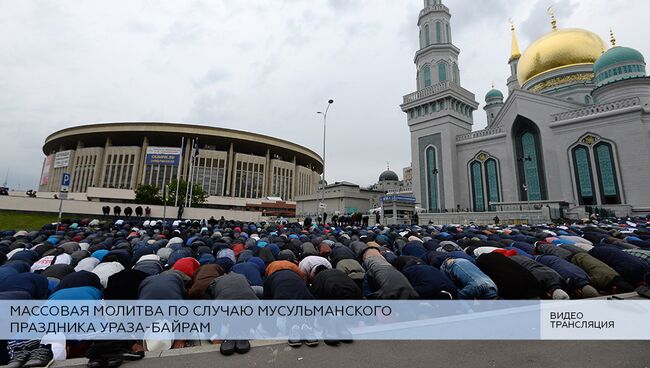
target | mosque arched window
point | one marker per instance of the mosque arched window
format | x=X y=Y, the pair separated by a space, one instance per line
x=484 y=182
x=442 y=72
x=606 y=169
x=584 y=176
x=427 y=36
x=427 y=76
x=595 y=173
x=492 y=181
x=432 y=178
x=455 y=75
x=478 y=198
x=438 y=32
x=448 y=29
x=530 y=163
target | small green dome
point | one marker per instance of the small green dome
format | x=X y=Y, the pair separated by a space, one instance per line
x=388 y=175
x=494 y=93
x=617 y=55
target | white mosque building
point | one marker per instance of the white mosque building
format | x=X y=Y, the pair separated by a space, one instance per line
x=574 y=129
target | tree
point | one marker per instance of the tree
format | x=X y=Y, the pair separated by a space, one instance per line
x=199 y=196
x=148 y=194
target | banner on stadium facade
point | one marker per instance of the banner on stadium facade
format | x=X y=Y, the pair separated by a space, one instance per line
x=62 y=159
x=45 y=173
x=169 y=156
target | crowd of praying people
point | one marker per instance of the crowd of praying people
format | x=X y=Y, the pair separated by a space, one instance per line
x=230 y=260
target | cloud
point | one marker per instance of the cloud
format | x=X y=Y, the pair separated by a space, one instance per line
x=211 y=108
x=538 y=22
x=183 y=33
x=211 y=78
x=137 y=26
x=343 y=6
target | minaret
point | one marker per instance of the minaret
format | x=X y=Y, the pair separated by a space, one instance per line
x=437 y=59
x=439 y=110
x=515 y=54
x=493 y=104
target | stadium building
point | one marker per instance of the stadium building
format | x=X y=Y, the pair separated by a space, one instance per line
x=237 y=169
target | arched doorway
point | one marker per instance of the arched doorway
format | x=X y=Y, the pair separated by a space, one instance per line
x=529 y=160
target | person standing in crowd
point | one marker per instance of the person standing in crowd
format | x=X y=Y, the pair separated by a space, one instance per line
x=138 y=211
x=128 y=211
x=117 y=210
x=147 y=212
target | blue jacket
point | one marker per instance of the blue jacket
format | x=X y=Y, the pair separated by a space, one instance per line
x=430 y=282
x=414 y=248
x=251 y=271
x=78 y=293
x=36 y=285
x=526 y=247
x=574 y=276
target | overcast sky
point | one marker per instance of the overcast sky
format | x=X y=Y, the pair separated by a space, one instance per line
x=261 y=66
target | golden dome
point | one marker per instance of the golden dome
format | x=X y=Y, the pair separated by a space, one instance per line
x=558 y=49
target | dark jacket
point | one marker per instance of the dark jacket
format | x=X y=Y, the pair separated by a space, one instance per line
x=429 y=282
x=124 y=285
x=149 y=266
x=339 y=253
x=574 y=277
x=414 y=248
x=286 y=285
x=628 y=266
x=251 y=271
x=436 y=259
x=333 y=284
x=573 y=249
x=526 y=247
x=547 y=278
x=386 y=281
x=512 y=279
x=34 y=284
x=79 y=278
x=553 y=250
x=166 y=286
x=232 y=286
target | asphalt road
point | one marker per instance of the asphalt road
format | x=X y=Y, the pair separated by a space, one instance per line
x=429 y=354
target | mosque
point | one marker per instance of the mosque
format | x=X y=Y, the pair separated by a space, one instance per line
x=574 y=129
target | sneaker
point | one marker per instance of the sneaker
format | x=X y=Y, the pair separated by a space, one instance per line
x=242 y=346
x=40 y=357
x=308 y=336
x=294 y=337
x=20 y=358
x=227 y=347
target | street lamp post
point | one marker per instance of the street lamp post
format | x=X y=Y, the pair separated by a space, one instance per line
x=322 y=183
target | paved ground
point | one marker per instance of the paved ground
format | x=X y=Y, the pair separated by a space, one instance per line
x=415 y=354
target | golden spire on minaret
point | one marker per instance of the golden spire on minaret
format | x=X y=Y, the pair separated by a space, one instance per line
x=612 y=39
x=551 y=12
x=515 y=53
